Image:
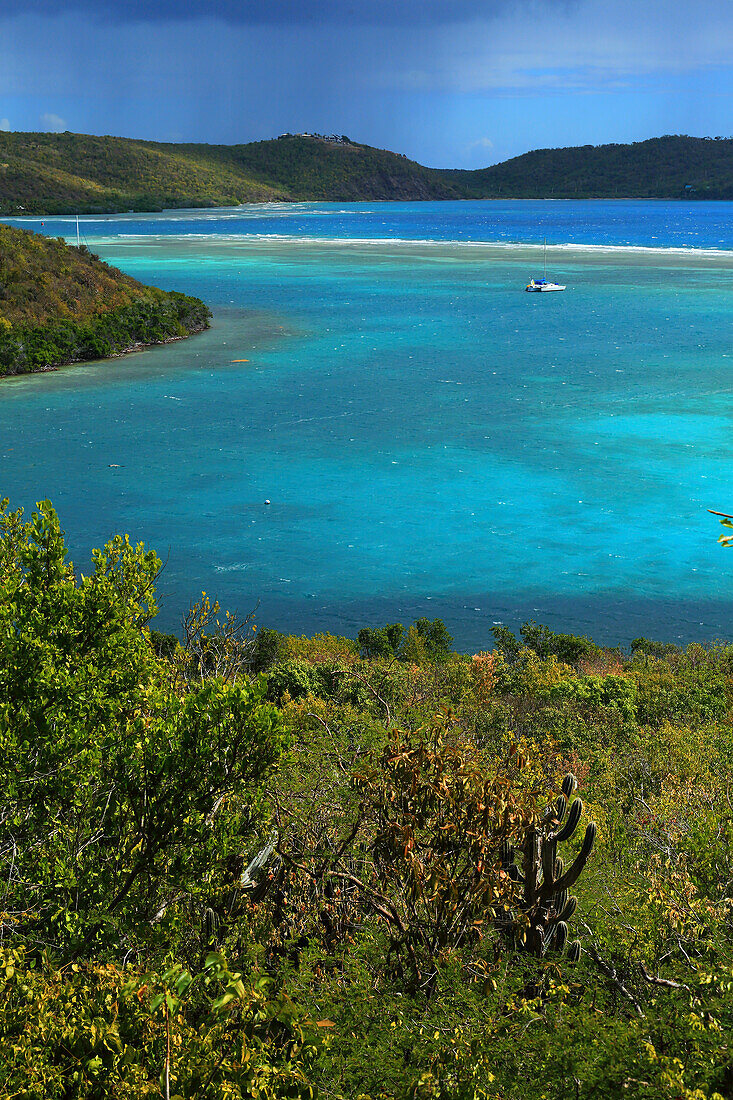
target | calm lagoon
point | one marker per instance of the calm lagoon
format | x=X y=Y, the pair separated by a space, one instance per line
x=432 y=440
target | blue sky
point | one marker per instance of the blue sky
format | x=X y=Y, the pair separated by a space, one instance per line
x=460 y=83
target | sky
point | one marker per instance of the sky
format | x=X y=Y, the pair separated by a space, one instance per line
x=450 y=83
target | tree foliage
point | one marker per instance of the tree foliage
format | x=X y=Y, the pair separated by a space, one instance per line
x=60 y=304
x=119 y=788
x=352 y=876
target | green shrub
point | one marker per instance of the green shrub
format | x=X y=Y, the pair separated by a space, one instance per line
x=296 y=677
x=381 y=641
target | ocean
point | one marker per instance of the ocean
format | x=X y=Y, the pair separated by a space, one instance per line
x=432 y=440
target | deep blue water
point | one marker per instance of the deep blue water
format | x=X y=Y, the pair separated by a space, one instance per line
x=432 y=440
x=619 y=223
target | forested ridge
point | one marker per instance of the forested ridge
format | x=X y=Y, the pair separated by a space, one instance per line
x=671 y=167
x=236 y=863
x=67 y=173
x=62 y=304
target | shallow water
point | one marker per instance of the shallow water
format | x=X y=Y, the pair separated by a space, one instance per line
x=432 y=440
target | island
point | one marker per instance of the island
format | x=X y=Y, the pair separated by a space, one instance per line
x=61 y=304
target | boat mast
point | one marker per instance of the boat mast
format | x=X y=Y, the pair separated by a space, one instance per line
x=544 y=274
x=77 y=231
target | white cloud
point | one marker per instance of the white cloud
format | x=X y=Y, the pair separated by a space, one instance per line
x=588 y=45
x=53 y=123
x=479 y=152
x=4 y=124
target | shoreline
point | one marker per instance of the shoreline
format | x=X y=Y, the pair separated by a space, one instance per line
x=687 y=201
x=140 y=346
x=64 y=305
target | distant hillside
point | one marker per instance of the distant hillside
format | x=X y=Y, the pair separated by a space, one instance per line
x=312 y=168
x=60 y=304
x=66 y=173
x=666 y=167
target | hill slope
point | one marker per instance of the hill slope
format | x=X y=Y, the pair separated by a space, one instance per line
x=312 y=168
x=64 y=173
x=60 y=304
x=667 y=167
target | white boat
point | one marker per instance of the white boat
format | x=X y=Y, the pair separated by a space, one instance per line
x=541 y=286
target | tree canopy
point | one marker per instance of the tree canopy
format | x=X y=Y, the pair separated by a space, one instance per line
x=62 y=304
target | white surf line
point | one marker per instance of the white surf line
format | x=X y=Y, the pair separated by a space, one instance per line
x=685 y=251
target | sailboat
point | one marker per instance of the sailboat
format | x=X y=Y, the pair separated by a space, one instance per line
x=541 y=285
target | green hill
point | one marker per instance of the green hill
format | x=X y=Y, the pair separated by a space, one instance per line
x=58 y=173
x=672 y=167
x=60 y=304
x=62 y=173
x=66 y=173
x=314 y=168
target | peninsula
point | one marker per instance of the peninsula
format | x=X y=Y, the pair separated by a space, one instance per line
x=44 y=173
x=61 y=304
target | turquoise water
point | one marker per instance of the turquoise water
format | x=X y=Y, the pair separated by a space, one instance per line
x=432 y=440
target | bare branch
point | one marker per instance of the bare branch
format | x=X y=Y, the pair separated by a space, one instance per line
x=666 y=983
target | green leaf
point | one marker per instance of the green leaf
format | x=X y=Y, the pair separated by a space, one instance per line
x=223 y=1001
x=183 y=983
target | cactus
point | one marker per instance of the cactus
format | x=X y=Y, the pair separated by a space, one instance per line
x=572 y=822
x=543 y=877
x=573 y=951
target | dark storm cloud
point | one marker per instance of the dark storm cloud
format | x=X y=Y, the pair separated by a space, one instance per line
x=274 y=12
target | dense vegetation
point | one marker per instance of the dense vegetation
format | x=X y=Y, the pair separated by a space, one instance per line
x=57 y=173
x=247 y=864
x=303 y=168
x=672 y=167
x=61 y=304
x=62 y=173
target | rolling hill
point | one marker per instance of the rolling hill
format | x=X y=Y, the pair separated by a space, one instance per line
x=63 y=173
x=671 y=167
